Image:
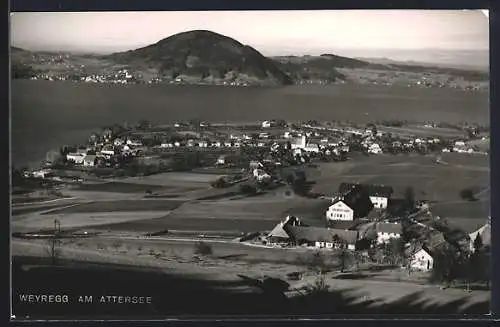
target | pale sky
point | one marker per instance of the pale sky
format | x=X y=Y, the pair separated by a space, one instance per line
x=270 y=32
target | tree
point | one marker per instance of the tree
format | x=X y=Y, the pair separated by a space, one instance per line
x=143 y=124
x=409 y=199
x=203 y=248
x=248 y=189
x=394 y=250
x=343 y=259
x=219 y=183
x=467 y=194
x=478 y=243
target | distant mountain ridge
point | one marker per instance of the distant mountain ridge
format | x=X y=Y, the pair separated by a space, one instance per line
x=205 y=57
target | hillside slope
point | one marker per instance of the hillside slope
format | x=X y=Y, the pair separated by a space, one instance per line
x=204 y=56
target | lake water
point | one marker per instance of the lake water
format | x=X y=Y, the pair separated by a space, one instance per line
x=46 y=115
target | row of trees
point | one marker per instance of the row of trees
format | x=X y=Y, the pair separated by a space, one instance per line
x=450 y=265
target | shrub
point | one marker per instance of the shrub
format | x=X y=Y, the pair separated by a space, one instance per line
x=248 y=189
x=202 y=248
x=467 y=194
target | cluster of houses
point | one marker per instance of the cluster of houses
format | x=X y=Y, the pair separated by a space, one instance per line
x=354 y=221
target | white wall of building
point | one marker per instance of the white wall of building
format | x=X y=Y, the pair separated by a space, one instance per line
x=422 y=261
x=340 y=211
x=383 y=237
x=76 y=157
x=379 y=202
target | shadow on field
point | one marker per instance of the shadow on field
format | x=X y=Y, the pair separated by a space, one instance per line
x=190 y=296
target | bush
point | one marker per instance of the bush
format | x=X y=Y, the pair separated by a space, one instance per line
x=202 y=248
x=219 y=183
x=248 y=189
x=467 y=194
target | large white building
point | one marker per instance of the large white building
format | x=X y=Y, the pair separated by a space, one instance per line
x=340 y=211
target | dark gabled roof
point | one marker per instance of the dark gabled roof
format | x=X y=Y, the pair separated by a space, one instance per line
x=320 y=234
x=372 y=189
x=342 y=224
x=389 y=228
x=278 y=232
x=435 y=239
x=349 y=236
x=358 y=200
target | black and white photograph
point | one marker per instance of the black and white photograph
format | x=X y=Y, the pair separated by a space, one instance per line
x=171 y=164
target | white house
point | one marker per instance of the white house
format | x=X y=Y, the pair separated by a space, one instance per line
x=266 y=124
x=379 y=202
x=77 y=158
x=374 y=148
x=311 y=147
x=203 y=144
x=221 y=160
x=422 y=260
x=89 y=160
x=134 y=142
x=340 y=211
x=41 y=173
x=107 y=152
x=388 y=231
x=484 y=232
x=118 y=142
x=299 y=143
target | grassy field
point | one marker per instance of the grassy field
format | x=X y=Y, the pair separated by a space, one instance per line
x=192 y=224
x=121 y=206
x=118 y=187
x=430 y=181
x=80 y=220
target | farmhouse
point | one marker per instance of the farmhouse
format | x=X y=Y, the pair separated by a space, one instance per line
x=354 y=202
x=279 y=235
x=134 y=142
x=221 y=160
x=261 y=175
x=422 y=259
x=89 y=160
x=340 y=211
x=388 y=231
x=77 y=158
x=342 y=224
x=299 y=143
x=266 y=124
x=374 y=148
x=322 y=237
x=379 y=194
x=43 y=173
x=484 y=233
